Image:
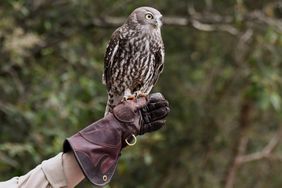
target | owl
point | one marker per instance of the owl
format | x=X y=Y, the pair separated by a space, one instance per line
x=134 y=57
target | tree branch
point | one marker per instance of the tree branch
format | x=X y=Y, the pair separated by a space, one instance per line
x=170 y=21
x=240 y=158
x=265 y=153
x=261 y=19
x=203 y=21
x=240 y=144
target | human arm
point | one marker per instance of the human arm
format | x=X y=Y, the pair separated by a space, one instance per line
x=97 y=147
x=64 y=170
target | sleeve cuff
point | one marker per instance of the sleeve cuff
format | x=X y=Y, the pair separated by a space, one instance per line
x=54 y=172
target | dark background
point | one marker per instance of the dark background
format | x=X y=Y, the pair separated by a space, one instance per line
x=222 y=77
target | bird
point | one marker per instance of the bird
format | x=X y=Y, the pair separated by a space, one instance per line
x=134 y=57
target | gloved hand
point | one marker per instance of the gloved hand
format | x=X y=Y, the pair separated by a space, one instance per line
x=154 y=113
x=98 y=146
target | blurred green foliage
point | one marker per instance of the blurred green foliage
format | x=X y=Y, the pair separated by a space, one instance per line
x=50 y=87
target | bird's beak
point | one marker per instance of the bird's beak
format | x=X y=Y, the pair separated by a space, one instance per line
x=158 y=22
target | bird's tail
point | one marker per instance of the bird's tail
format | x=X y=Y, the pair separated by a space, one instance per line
x=106 y=110
x=113 y=100
x=109 y=105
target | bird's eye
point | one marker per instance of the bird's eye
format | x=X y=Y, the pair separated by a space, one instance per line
x=149 y=16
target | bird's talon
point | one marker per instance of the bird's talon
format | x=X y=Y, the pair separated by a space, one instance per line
x=130 y=97
x=140 y=95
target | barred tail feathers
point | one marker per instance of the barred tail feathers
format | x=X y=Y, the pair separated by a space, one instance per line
x=113 y=100
x=109 y=104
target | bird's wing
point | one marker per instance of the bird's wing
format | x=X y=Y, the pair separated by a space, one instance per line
x=110 y=54
x=159 y=63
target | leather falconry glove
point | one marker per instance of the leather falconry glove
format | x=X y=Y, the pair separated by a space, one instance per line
x=97 y=147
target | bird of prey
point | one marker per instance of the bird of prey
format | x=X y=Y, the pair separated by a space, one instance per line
x=134 y=57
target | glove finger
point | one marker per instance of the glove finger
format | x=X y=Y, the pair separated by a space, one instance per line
x=155 y=97
x=150 y=127
x=157 y=114
x=155 y=105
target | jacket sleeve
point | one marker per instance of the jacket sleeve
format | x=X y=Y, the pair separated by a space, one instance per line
x=48 y=174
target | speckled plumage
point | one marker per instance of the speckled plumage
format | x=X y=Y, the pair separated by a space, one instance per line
x=134 y=57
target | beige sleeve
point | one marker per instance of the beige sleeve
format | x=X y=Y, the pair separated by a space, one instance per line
x=49 y=173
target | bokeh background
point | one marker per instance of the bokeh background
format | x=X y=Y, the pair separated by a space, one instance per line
x=222 y=77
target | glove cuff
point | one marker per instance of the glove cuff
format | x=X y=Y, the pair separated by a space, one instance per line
x=92 y=172
x=97 y=149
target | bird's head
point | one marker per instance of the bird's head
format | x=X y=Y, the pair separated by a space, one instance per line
x=146 y=16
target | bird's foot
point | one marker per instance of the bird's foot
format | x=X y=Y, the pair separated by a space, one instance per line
x=129 y=97
x=140 y=94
